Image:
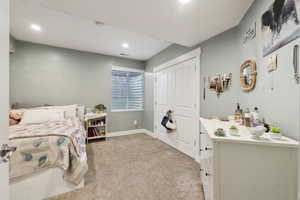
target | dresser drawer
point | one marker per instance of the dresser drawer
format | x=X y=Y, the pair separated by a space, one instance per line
x=206 y=145
x=206 y=172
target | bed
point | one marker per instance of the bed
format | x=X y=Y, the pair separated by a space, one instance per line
x=50 y=156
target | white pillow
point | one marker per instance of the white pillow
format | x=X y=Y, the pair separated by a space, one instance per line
x=70 y=110
x=43 y=115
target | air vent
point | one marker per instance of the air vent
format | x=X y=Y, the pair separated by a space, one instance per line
x=99 y=23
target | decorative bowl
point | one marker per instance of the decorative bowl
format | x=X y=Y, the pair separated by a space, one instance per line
x=257 y=132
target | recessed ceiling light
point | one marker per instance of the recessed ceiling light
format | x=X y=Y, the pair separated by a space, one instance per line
x=125 y=45
x=36 y=27
x=184 y=1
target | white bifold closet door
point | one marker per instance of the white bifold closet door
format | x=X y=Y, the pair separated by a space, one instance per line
x=176 y=91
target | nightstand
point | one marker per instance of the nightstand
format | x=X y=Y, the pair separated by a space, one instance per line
x=95 y=126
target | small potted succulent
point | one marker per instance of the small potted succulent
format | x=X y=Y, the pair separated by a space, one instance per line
x=220 y=132
x=233 y=130
x=275 y=133
x=100 y=108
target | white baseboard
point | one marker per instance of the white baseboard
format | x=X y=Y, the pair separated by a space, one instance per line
x=149 y=133
x=130 y=132
x=122 y=133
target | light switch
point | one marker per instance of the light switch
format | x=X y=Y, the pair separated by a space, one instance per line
x=272 y=63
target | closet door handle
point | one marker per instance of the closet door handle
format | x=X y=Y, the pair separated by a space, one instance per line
x=200 y=172
x=207 y=174
x=207 y=148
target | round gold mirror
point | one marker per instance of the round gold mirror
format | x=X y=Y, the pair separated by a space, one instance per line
x=248 y=75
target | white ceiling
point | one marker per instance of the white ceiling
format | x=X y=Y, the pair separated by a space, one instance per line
x=63 y=30
x=69 y=23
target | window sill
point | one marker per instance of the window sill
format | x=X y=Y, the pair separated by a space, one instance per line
x=133 y=110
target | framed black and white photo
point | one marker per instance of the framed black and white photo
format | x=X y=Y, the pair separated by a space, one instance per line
x=280 y=25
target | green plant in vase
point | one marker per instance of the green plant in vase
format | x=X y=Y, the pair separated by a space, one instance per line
x=275 y=133
x=100 y=108
x=275 y=130
x=233 y=130
x=220 y=132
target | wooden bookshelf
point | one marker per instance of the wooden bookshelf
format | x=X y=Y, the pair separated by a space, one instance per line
x=96 y=126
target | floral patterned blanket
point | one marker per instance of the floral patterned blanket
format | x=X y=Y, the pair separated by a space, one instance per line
x=59 y=144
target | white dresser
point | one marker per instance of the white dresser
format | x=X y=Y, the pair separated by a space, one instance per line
x=242 y=168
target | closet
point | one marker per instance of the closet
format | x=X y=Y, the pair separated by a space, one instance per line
x=177 y=88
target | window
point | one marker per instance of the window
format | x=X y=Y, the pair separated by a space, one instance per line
x=127 y=89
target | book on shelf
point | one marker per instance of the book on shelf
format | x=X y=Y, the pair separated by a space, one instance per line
x=95 y=123
x=94 y=131
x=91 y=133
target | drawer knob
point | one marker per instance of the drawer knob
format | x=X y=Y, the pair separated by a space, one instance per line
x=201 y=150
x=201 y=170
x=207 y=148
x=202 y=133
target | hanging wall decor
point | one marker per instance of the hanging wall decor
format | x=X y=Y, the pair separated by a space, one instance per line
x=248 y=75
x=250 y=34
x=272 y=63
x=220 y=83
x=280 y=25
x=296 y=63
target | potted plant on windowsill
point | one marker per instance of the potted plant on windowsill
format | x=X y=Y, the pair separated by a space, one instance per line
x=100 y=108
x=275 y=133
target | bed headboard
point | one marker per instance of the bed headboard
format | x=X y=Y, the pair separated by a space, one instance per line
x=80 y=108
x=27 y=105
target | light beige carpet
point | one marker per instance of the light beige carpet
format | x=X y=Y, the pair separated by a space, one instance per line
x=138 y=167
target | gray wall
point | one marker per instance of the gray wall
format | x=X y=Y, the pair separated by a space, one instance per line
x=225 y=53
x=218 y=56
x=167 y=54
x=42 y=74
x=281 y=105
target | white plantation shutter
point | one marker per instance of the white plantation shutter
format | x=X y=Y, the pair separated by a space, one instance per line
x=127 y=90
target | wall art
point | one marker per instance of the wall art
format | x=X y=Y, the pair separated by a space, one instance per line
x=272 y=63
x=250 y=34
x=280 y=25
x=220 y=83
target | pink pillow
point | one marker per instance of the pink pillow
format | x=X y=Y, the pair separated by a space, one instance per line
x=13 y=122
x=15 y=115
